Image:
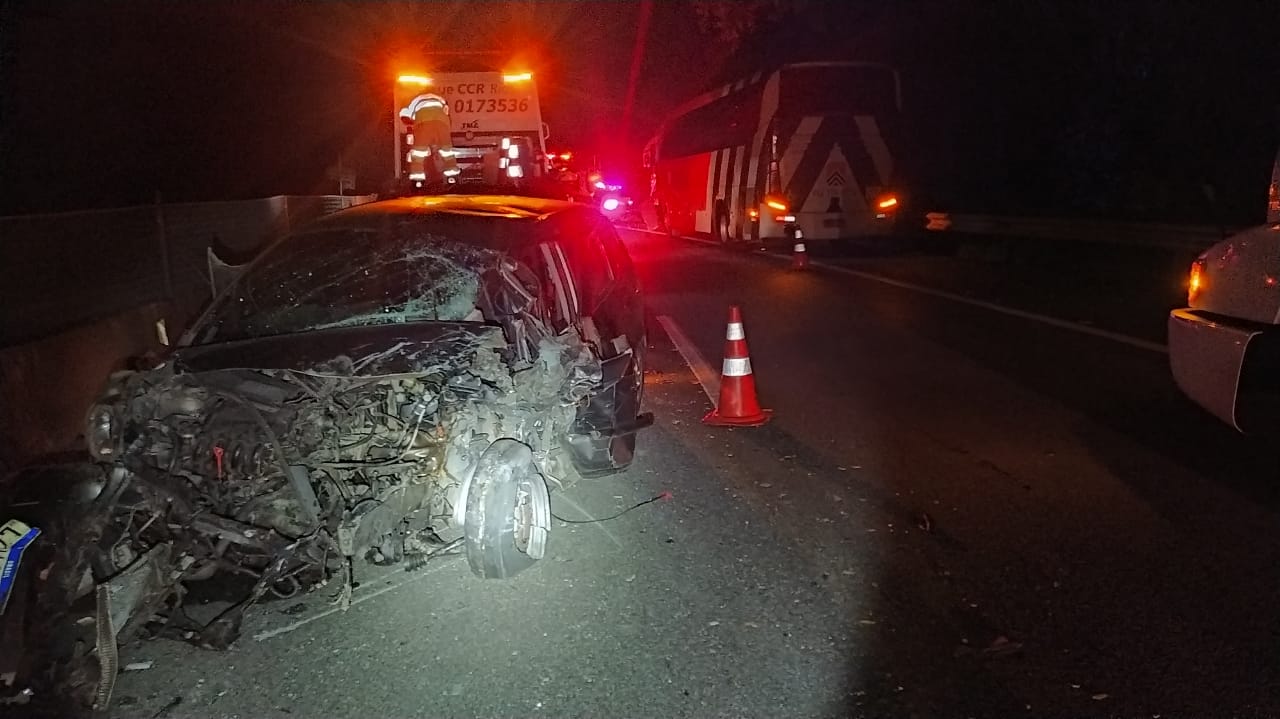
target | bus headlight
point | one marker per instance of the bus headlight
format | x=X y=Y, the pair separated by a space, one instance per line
x=100 y=432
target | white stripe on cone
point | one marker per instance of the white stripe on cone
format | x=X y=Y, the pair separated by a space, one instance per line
x=799 y=247
x=736 y=367
x=735 y=332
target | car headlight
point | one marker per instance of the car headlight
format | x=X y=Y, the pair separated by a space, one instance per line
x=100 y=432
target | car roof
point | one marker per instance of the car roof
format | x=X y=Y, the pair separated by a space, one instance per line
x=503 y=206
x=499 y=222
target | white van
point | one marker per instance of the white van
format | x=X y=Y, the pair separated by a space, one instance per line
x=1224 y=347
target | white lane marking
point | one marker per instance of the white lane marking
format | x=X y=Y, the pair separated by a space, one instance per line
x=669 y=235
x=409 y=579
x=943 y=294
x=1022 y=314
x=706 y=375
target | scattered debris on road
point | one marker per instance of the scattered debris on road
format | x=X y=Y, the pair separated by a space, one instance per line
x=925 y=522
x=1001 y=646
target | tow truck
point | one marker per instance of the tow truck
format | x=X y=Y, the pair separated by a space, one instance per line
x=468 y=127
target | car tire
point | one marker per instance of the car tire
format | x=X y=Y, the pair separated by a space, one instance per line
x=508 y=516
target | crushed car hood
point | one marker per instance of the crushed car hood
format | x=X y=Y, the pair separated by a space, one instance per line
x=419 y=347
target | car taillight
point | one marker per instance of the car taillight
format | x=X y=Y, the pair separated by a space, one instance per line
x=887 y=202
x=1195 y=281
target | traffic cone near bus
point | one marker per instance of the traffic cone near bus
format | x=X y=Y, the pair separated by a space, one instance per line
x=738 y=406
x=799 y=257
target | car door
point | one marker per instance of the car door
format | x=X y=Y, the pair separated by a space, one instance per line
x=612 y=319
x=609 y=292
x=558 y=304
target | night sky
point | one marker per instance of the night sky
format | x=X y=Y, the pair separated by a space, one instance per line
x=1117 y=108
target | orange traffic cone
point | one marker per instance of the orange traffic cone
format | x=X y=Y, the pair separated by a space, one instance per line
x=738 y=405
x=799 y=258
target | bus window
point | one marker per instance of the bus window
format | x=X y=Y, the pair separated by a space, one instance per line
x=725 y=122
x=819 y=89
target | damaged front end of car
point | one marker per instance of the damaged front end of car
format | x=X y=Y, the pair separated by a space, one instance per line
x=283 y=462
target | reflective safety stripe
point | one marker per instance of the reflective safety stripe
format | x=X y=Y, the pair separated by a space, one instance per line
x=735 y=332
x=799 y=247
x=735 y=367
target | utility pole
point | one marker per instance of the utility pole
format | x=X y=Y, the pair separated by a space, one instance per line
x=395 y=133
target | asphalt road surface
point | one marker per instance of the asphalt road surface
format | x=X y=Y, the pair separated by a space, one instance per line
x=955 y=512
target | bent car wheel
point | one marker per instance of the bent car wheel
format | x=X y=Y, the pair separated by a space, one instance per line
x=508 y=514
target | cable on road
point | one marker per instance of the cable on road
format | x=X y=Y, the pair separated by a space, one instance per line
x=663 y=497
x=445 y=550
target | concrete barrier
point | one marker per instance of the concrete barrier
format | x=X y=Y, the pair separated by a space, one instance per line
x=82 y=292
x=59 y=271
x=48 y=385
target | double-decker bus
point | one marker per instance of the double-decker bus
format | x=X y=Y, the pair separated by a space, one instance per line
x=809 y=144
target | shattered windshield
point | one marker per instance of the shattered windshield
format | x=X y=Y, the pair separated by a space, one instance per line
x=351 y=277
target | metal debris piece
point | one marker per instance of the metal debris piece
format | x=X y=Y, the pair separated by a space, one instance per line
x=1001 y=646
x=924 y=521
x=108 y=652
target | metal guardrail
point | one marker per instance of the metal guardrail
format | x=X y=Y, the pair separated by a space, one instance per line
x=1164 y=236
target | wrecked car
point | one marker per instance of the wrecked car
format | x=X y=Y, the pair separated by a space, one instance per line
x=396 y=381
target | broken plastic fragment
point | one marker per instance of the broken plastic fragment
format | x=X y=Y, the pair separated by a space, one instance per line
x=1002 y=647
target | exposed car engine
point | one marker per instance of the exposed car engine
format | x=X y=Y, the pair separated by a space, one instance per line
x=321 y=468
x=365 y=394
x=287 y=475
